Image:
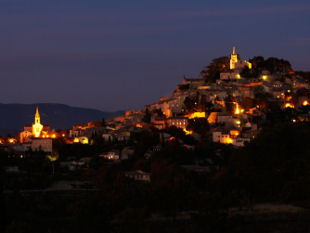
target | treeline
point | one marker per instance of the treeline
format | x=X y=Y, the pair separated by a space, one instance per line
x=273 y=65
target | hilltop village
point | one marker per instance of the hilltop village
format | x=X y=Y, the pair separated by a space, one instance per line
x=197 y=160
x=229 y=109
x=229 y=104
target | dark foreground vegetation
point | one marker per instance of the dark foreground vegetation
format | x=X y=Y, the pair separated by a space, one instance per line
x=273 y=172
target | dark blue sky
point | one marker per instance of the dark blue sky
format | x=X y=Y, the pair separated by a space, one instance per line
x=117 y=54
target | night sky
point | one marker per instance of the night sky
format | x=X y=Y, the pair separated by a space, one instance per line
x=116 y=55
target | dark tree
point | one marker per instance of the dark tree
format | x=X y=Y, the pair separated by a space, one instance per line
x=198 y=125
x=2 y=203
x=212 y=72
x=103 y=122
x=304 y=75
x=248 y=103
x=147 y=116
x=229 y=103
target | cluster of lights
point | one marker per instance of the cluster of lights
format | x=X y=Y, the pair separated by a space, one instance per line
x=82 y=140
x=238 y=110
x=49 y=136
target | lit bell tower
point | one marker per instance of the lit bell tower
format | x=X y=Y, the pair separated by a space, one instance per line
x=233 y=59
x=37 y=127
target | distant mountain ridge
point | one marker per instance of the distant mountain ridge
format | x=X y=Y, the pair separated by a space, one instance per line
x=13 y=117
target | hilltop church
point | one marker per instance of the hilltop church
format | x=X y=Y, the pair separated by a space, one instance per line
x=236 y=63
x=236 y=66
x=36 y=130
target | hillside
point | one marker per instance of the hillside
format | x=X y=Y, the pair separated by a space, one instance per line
x=58 y=116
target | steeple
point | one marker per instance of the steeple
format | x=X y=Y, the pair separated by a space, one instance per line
x=233 y=59
x=37 y=116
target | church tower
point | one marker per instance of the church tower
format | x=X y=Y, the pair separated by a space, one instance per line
x=233 y=59
x=37 y=117
x=37 y=127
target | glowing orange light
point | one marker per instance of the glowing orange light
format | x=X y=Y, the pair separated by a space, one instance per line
x=289 y=105
x=37 y=126
x=63 y=135
x=228 y=140
x=196 y=115
x=12 y=140
x=234 y=133
x=138 y=125
x=53 y=135
x=265 y=77
x=237 y=109
x=187 y=132
x=305 y=103
x=168 y=113
x=83 y=140
x=171 y=139
x=76 y=140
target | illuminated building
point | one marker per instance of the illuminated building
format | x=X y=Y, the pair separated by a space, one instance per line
x=35 y=130
x=212 y=119
x=234 y=133
x=237 y=63
x=233 y=59
x=179 y=122
x=196 y=115
x=86 y=129
x=232 y=137
x=37 y=127
x=43 y=144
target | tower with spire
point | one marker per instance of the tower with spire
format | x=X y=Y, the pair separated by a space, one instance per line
x=37 y=126
x=233 y=59
x=37 y=116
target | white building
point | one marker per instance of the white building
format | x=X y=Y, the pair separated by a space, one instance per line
x=42 y=144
